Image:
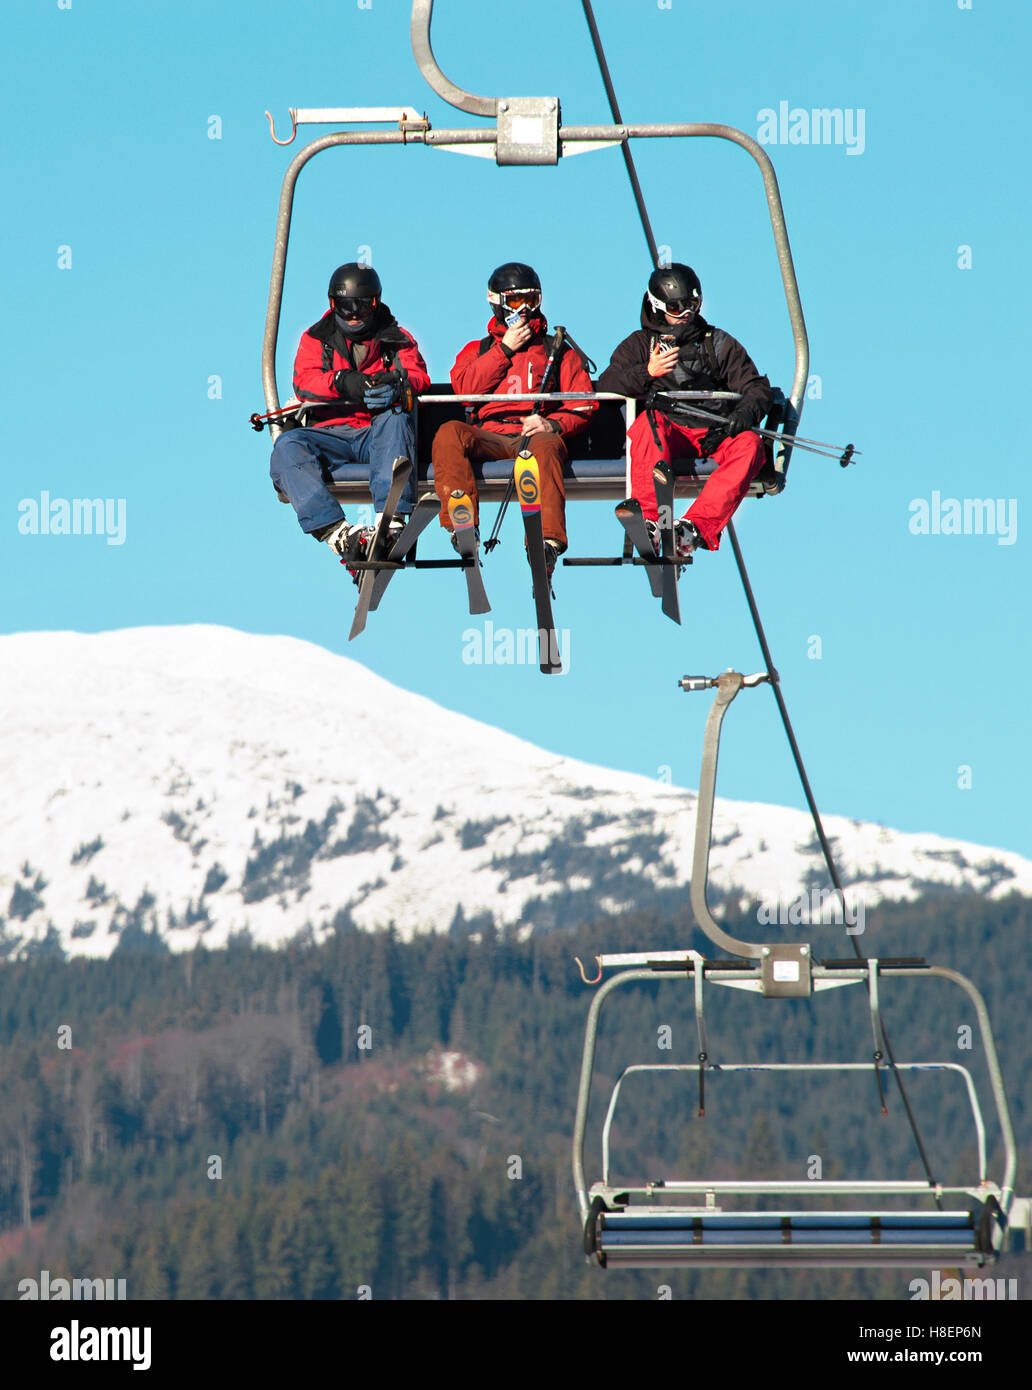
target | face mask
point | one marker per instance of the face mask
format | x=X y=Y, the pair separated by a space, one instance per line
x=357 y=331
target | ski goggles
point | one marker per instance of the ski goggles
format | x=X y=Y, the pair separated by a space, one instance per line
x=517 y=299
x=352 y=308
x=676 y=308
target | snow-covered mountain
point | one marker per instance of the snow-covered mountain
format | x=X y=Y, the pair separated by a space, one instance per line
x=202 y=781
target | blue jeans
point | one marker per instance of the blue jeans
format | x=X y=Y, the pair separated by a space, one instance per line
x=305 y=460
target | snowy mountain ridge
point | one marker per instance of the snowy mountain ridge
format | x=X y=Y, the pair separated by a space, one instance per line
x=149 y=782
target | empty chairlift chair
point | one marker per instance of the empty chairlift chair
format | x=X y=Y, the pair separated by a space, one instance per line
x=660 y=1222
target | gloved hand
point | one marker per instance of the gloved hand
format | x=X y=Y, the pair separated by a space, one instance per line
x=380 y=397
x=350 y=385
x=740 y=420
x=712 y=440
x=381 y=389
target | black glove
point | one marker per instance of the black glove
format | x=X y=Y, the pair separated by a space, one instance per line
x=381 y=390
x=712 y=440
x=351 y=385
x=740 y=420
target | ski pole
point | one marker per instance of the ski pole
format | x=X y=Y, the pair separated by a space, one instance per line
x=258 y=422
x=812 y=446
x=510 y=486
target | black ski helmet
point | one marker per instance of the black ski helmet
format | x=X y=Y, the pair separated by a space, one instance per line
x=354 y=281
x=675 y=289
x=508 y=279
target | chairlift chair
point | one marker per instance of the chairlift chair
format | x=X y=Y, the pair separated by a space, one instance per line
x=525 y=131
x=661 y=1222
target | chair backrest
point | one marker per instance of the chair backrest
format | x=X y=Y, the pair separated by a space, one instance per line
x=603 y=439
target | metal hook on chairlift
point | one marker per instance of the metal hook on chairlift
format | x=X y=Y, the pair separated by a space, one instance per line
x=293 y=127
x=584 y=977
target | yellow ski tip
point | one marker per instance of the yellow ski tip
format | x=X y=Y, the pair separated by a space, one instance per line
x=460 y=509
x=528 y=483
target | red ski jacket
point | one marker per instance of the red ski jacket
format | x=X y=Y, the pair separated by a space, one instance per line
x=324 y=350
x=488 y=368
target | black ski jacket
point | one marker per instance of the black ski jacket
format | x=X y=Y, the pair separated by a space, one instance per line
x=710 y=360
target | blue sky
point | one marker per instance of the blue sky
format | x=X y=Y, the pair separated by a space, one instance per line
x=924 y=660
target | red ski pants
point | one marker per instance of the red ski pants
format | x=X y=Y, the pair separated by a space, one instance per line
x=737 y=460
x=457 y=445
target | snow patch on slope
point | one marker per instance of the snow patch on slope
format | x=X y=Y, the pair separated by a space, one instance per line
x=215 y=781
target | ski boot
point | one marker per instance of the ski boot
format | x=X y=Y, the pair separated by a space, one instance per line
x=552 y=553
x=686 y=541
x=353 y=545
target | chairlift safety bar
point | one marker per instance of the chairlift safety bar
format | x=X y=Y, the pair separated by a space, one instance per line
x=630 y=406
x=861 y=1186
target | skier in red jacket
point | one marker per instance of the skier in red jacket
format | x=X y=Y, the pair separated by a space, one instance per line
x=512 y=358
x=677 y=350
x=359 y=362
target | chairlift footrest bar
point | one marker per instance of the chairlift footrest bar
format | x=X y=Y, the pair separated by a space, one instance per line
x=616 y=560
x=409 y=564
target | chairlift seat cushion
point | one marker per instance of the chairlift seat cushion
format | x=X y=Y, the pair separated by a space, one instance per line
x=955 y=1229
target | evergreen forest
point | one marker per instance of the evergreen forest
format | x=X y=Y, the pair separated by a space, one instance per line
x=363 y=1116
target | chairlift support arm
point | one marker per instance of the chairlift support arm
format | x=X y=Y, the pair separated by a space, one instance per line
x=422 y=14
x=728 y=686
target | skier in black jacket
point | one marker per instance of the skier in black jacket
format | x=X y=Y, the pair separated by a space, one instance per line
x=677 y=350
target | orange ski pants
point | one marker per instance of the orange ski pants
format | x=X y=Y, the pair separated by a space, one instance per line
x=458 y=445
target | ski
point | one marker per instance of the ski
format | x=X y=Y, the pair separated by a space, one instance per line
x=426 y=509
x=630 y=517
x=400 y=475
x=528 y=489
x=663 y=477
x=460 y=509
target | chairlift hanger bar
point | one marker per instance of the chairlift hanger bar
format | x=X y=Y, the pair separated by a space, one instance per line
x=780 y=962
x=728 y=685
